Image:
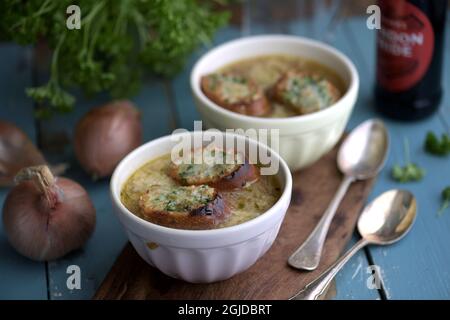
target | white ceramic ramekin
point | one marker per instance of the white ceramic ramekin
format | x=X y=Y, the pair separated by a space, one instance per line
x=199 y=256
x=303 y=139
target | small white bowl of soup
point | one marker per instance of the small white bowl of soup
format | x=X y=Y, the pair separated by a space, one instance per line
x=309 y=89
x=183 y=248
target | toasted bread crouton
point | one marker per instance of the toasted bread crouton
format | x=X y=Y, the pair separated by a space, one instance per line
x=236 y=93
x=305 y=92
x=191 y=207
x=214 y=167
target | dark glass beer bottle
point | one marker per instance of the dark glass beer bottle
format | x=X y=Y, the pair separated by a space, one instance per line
x=409 y=57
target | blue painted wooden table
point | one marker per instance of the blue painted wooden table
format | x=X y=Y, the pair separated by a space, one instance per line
x=415 y=268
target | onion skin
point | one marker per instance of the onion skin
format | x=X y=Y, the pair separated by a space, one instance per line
x=46 y=226
x=16 y=151
x=105 y=135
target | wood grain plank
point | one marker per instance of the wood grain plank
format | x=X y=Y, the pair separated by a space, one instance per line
x=327 y=26
x=257 y=19
x=156 y=107
x=271 y=277
x=180 y=85
x=97 y=256
x=20 y=278
x=354 y=275
x=316 y=25
x=417 y=266
x=445 y=105
x=351 y=281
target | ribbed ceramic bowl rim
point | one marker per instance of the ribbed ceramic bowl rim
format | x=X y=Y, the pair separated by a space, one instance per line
x=353 y=83
x=115 y=194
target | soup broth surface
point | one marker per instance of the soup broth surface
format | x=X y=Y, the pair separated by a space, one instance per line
x=266 y=70
x=245 y=203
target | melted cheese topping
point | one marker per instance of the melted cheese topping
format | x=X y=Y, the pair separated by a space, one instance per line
x=245 y=204
x=176 y=198
x=309 y=93
x=208 y=164
x=231 y=87
x=266 y=70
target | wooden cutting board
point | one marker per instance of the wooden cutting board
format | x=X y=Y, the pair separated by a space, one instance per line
x=271 y=277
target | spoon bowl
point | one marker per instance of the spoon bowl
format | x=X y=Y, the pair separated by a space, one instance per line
x=361 y=156
x=388 y=218
x=384 y=221
x=364 y=151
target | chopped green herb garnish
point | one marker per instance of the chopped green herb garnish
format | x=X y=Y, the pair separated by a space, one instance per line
x=445 y=200
x=409 y=172
x=436 y=146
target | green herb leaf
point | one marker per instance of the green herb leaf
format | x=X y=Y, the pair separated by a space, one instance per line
x=56 y=97
x=436 y=146
x=409 y=172
x=445 y=200
x=117 y=42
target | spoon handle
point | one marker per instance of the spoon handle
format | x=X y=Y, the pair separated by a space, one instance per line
x=307 y=256
x=316 y=288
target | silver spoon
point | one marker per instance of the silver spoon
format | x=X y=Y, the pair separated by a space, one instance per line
x=361 y=156
x=384 y=221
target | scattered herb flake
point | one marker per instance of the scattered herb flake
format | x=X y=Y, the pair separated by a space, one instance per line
x=445 y=200
x=436 y=146
x=409 y=172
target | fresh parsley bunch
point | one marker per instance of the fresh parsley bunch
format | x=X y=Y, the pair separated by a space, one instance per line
x=117 y=41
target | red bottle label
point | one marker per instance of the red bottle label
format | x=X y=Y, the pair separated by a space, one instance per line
x=405 y=45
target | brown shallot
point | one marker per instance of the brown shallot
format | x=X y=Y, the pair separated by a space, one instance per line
x=46 y=217
x=105 y=135
x=16 y=152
